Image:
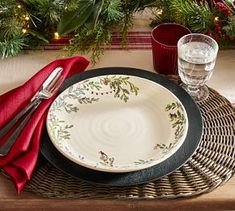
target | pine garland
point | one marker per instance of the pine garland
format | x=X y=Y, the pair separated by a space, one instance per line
x=27 y=23
x=215 y=18
x=33 y=23
x=11 y=39
x=89 y=41
x=95 y=28
x=99 y=19
x=230 y=27
x=196 y=15
x=11 y=47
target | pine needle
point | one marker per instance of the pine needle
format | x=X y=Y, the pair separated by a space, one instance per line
x=11 y=47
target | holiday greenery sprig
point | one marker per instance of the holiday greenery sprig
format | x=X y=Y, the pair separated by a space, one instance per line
x=90 y=23
x=93 y=21
x=215 y=18
x=27 y=23
x=11 y=25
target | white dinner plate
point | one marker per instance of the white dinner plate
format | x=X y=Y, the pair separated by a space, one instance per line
x=117 y=123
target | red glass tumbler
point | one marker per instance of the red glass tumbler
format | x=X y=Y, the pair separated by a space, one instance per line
x=164 y=47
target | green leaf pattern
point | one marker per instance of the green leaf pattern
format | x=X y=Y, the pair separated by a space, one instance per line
x=121 y=86
x=177 y=119
x=60 y=130
x=143 y=162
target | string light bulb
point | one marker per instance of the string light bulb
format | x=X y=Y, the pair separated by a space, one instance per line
x=26 y=18
x=216 y=19
x=24 y=30
x=19 y=6
x=56 y=35
x=159 y=12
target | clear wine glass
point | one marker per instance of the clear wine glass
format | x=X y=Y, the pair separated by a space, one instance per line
x=196 y=61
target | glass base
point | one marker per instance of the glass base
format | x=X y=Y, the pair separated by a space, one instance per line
x=200 y=94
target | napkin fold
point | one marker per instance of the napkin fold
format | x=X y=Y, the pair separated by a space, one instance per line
x=20 y=162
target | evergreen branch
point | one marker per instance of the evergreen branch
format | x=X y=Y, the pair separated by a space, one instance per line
x=9 y=28
x=11 y=47
x=162 y=13
x=89 y=41
x=98 y=18
x=195 y=15
x=142 y=4
x=127 y=24
x=112 y=10
x=50 y=10
x=230 y=28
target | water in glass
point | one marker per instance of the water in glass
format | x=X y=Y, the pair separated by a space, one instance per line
x=196 y=60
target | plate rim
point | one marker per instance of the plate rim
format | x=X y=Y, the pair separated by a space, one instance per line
x=181 y=156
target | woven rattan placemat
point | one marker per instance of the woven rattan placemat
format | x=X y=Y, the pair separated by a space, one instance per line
x=211 y=165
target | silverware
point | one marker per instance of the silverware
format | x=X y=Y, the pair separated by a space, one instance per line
x=47 y=90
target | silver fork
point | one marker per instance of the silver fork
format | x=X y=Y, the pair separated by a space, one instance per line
x=46 y=91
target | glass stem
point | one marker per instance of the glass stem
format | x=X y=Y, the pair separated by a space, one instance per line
x=193 y=89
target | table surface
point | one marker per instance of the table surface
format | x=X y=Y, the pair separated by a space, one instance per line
x=15 y=71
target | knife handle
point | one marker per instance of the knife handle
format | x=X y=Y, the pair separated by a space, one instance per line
x=5 y=148
x=13 y=121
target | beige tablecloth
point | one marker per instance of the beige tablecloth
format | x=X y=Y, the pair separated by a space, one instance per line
x=14 y=71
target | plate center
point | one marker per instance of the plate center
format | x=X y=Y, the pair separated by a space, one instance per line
x=117 y=129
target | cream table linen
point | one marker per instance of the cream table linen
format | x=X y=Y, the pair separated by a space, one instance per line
x=14 y=71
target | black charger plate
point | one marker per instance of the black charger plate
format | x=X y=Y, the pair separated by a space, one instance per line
x=181 y=156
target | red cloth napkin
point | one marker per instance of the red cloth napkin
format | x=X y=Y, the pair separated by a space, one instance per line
x=19 y=163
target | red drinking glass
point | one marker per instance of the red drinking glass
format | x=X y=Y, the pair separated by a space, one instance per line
x=164 y=47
